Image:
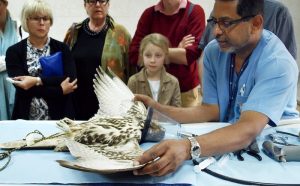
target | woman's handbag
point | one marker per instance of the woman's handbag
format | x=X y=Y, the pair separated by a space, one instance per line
x=52 y=65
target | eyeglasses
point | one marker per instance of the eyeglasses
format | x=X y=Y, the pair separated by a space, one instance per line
x=225 y=24
x=39 y=19
x=94 y=2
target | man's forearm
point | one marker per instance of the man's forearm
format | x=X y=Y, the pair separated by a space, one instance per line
x=233 y=137
x=224 y=140
x=198 y=114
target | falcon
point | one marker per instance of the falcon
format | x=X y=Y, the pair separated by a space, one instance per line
x=111 y=137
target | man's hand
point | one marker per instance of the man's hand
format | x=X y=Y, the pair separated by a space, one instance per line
x=67 y=86
x=164 y=157
x=186 y=41
x=145 y=99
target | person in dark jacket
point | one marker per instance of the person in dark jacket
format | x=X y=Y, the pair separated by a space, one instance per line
x=40 y=97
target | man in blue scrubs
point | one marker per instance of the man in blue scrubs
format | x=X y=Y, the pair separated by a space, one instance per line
x=250 y=80
x=277 y=19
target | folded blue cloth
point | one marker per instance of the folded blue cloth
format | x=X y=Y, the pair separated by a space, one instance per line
x=52 y=65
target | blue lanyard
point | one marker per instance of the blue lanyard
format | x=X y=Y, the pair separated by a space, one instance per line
x=233 y=89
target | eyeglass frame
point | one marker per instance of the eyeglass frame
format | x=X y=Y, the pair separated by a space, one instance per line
x=101 y=2
x=39 y=19
x=228 y=23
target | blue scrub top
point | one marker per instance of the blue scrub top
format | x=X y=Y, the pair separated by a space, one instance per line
x=268 y=84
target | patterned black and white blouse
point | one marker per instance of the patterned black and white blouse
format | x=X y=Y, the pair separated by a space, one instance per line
x=38 y=106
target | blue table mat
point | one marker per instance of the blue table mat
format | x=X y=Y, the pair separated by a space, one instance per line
x=40 y=167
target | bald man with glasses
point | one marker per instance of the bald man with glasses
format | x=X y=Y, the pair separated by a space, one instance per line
x=277 y=19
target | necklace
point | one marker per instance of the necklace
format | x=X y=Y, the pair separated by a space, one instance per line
x=87 y=29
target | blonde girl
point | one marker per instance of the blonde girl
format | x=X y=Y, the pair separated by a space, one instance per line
x=153 y=80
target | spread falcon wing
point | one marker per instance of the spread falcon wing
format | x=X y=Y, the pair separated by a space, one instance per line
x=87 y=159
x=114 y=97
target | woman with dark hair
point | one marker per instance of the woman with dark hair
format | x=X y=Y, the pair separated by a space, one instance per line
x=96 y=41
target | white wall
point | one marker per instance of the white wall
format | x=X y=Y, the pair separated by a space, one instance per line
x=125 y=12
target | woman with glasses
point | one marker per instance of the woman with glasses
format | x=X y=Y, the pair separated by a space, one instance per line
x=39 y=96
x=96 y=41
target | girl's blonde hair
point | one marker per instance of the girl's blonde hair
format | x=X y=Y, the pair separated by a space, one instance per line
x=156 y=39
x=33 y=7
